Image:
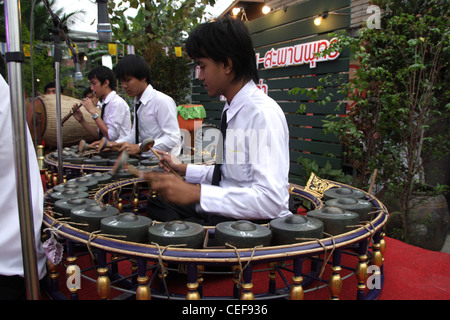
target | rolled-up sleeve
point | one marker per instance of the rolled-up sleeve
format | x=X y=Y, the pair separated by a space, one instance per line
x=256 y=189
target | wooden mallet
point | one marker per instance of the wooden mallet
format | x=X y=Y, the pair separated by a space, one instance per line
x=103 y=144
x=122 y=163
x=147 y=145
x=83 y=146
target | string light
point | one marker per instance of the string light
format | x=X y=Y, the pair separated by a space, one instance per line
x=236 y=11
x=266 y=9
x=319 y=19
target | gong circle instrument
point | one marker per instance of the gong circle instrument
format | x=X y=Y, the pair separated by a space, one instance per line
x=89 y=217
x=344 y=192
x=336 y=220
x=293 y=256
x=65 y=206
x=180 y=233
x=295 y=228
x=360 y=206
x=242 y=234
x=81 y=160
x=130 y=226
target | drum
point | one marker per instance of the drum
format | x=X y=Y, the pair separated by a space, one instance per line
x=72 y=131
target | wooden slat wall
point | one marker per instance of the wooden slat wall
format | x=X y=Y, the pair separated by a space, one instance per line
x=288 y=28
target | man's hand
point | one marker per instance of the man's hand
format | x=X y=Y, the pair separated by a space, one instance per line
x=172 y=189
x=131 y=148
x=172 y=161
x=78 y=115
x=95 y=144
x=89 y=106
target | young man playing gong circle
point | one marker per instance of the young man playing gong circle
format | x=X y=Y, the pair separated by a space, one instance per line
x=254 y=175
x=155 y=113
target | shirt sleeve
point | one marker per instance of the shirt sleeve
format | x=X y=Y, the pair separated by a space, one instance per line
x=253 y=191
x=130 y=138
x=166 y=114
x=196 y=173
x=115 y=119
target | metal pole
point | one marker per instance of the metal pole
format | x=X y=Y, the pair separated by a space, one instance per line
x=14 y=59
x=57 y=58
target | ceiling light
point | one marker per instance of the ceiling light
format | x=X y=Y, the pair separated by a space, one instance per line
x=236 y=11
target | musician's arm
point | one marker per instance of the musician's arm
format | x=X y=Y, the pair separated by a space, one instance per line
x=78 y=115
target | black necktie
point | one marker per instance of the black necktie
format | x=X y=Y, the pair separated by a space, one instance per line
x=136 y=122
x=103 y=110
x=217 y=175
x=101 y=116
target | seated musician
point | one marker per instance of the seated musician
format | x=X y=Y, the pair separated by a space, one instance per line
x=252 y=183
x=155 y=113
x=114 y=120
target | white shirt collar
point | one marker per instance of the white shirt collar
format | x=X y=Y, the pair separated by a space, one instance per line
x=109 y=97
x=147 y=95
x=240 y=99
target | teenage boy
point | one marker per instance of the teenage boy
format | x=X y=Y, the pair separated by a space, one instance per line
x=254 y=175
x=114 y=119
x=155 y=113
x=50 y=88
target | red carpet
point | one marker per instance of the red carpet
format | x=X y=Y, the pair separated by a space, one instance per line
x=410 y=273
x=413 y=273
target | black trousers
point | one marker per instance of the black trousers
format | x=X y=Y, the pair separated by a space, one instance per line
x=12 y=288
x=160 y=210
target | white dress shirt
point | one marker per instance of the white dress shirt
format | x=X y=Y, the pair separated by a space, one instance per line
x=11 y=262
x=158 y=120
x=254 y=183
x=116 y=116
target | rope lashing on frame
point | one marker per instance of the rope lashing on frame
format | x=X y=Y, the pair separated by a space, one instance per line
x=241 y=269
x=92 y=236
x=326 y=259
x=161 y=263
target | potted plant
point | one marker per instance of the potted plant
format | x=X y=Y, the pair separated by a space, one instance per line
x=398 y=94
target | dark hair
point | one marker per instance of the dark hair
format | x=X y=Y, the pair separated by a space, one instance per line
x=222 y=39
x=133 y=66
x=102 y=74
x=87 y=91
x=52 y=85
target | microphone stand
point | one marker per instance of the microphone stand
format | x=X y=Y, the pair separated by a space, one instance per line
x=57 y=59
x=57 y=32
x=15 y=58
